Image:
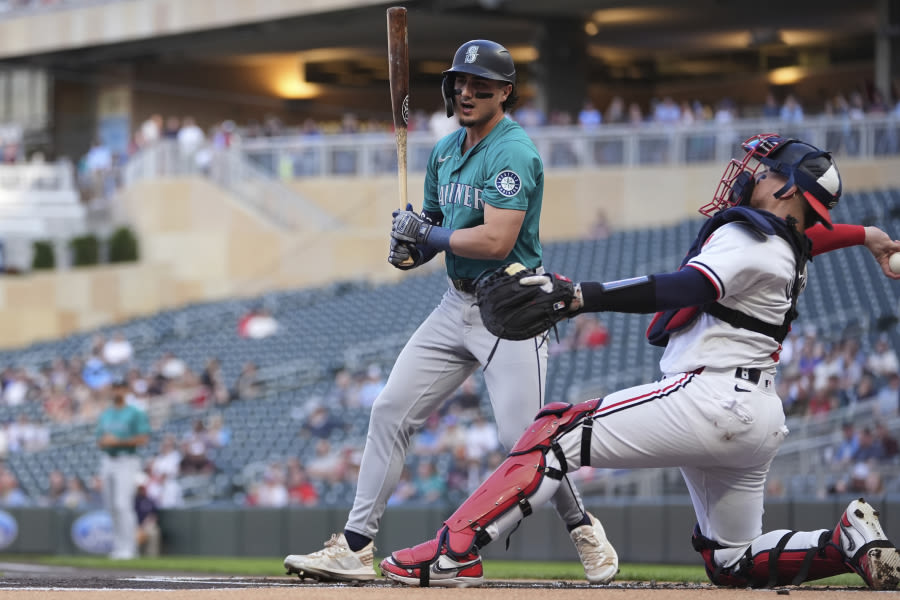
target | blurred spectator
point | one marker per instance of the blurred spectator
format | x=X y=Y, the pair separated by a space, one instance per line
x=372 y=384
x=196 y=444
x=148 y=532
x=481 y=437
x=171 y=367
x=15 y=386
x=75 y=497
x=529 y=116
x=589 y=117
x=791 y=110
x=589 y=332
x=887 y=401
x=56 y=488
x=300 y=489
x=95 y=373
x=218 y=433
x=117 y=350
x=190 y=137
x=887 y=441
x=10 y=155
x=168 y=461
x=248 y=385
x=11 y=495
x=257 y=324
x=440 y=124
x=847 y=447
x=166 y=491
x=667 y=112
x=320 y=424
x=171 y=128
x=345 y=391
x=882 y=361
x=427 y=440
x=430 y=485
x=615 y=112
x=272 y=493
x=869 y=448
x=214 y=382
x=770 y=109
x=151 y=129
x=405 y=490
x=326 y=464
x=635 y=115
x=466 y=398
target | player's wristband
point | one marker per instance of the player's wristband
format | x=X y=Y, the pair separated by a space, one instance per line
x=439 y=238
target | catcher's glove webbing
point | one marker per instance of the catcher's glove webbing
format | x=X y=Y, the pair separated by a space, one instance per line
x=518 y=303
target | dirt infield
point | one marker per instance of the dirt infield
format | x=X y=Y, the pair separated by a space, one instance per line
x=31 y=582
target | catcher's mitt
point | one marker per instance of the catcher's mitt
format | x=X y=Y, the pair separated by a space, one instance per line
x=517 y=303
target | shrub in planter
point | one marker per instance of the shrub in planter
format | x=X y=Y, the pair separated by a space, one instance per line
x=85 y=250
x=123 y=246
x=43 y=257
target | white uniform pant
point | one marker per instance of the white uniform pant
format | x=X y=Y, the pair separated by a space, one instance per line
x=119 y=476
x=722 y=432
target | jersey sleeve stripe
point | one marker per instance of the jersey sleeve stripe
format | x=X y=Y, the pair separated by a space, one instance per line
x=711 y=275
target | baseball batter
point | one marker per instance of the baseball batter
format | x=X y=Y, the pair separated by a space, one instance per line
x=715 y=413
x=483 y=192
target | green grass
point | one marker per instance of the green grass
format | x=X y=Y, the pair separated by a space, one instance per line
x=494 y=569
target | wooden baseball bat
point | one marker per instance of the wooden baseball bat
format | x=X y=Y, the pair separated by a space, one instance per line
x=398 y=75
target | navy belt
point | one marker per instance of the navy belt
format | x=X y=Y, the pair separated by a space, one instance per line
x=751 y=375
x=742 y=373
x=464 y=285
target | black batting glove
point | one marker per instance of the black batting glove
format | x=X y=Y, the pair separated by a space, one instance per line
x=410 y=227
x=404 y=256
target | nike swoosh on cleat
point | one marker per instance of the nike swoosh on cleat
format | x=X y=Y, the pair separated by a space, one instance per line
x=737 y=389
x=437 y=568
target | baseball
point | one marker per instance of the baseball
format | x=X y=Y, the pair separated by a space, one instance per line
x=894 y=262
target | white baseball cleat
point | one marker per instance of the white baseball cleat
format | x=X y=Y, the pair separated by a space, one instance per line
x=601 y=563
x=865 y=547
x=335 y=562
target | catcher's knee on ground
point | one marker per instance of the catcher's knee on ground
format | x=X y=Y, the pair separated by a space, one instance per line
x=518 y=478
x=777 y=558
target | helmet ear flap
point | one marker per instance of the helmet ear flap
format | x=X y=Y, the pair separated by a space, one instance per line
x=448 y=92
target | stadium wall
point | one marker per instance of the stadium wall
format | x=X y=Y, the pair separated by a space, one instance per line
x=643 y=530
x=199 y=243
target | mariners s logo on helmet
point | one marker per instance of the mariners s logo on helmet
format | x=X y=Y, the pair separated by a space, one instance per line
x=471 y=54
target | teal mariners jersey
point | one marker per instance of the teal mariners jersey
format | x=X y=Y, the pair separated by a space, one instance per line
x=124 y=423
x=503 y=170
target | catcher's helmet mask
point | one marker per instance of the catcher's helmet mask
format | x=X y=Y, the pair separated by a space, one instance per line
x=482 y=58
x=810 y=169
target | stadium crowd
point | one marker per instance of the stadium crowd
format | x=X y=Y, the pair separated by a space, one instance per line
x=455 y=450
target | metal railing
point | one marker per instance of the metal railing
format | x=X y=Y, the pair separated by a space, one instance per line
x=368 y=154
x=258 y=189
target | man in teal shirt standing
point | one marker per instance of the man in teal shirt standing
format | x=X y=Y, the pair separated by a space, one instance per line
x=121 y=430
x=484 y=187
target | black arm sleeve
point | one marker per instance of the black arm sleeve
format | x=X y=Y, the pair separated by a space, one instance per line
x=648 y=294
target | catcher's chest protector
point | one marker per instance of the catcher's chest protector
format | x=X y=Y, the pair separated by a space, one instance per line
x=518 y=477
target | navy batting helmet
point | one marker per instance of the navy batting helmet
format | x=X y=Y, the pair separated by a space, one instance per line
x=812 y=170
x=483 y=58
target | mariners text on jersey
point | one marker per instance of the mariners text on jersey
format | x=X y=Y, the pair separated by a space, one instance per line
x=460 y=194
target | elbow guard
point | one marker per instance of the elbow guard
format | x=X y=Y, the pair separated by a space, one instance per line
x=635 y=295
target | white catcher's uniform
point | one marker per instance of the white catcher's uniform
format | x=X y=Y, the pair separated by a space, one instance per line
x=715 y=414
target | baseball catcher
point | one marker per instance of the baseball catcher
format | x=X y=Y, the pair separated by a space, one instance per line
x=715 y=414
